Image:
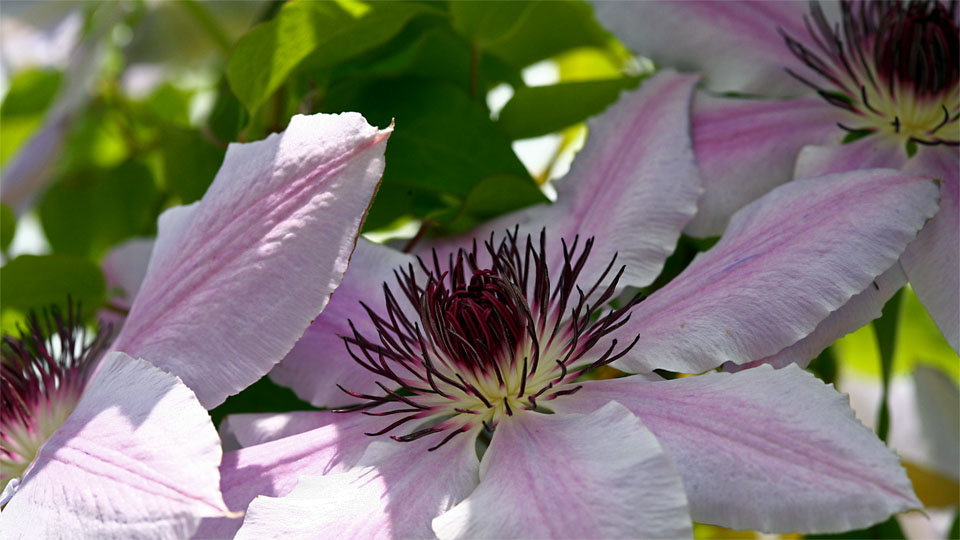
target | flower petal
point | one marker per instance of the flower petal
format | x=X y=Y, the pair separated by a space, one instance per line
x=746 y=147
x=319 y=361
x=137 y=458
x=124 y=267
x=860 y=310
x=924 y=421
x=764 y=449
x=395 y=493
x=633 y=187
x=736 y=44
x=257 y=258
x=274 y=467
x=597 y=475
x=258 y=428
x=873 y=152
x=933 y=259
x=784 y=264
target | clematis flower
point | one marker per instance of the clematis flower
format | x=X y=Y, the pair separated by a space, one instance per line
x=475 y=344
x=121 y=446
x=875 y=84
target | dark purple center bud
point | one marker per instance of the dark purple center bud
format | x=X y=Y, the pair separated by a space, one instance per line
x=917 y=46
x=895 y=66
x=43 y=373
x=479 y=325
x=472 y=344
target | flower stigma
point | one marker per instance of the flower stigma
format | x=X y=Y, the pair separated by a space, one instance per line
x=42 y=376
x=894 y=65
x=474 y=343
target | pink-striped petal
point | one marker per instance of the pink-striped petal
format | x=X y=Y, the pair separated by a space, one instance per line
x=395 y=493
x=237 y=277
x=932 y=262
x=764 y=449
x=746 y=147
x=860 y=310
x=736 y=44
x=633 y=187
x=257 y=428
x=785 y=263
x=274 y=467
x=137 y=458
x=872 y=152
x=319 y=361
x=596 y=475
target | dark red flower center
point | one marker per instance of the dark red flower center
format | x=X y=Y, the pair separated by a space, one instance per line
x=473 y=343
x=895 y=66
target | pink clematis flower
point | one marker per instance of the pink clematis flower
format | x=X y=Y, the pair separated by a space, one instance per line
x=872 y=84
x=474 y=344
x=122 y=447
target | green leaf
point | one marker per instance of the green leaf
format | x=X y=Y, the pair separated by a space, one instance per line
x=36 y=282
x=493 y=196
x=500 y=194
x=540 y=110
x=170 y=104
x=8 y=226
x=99 y=139
x=228 y=116
x=325 y=32
x=548 y=28
x=444 y=144
x=420 y=51
x=190 y=162
x=485 y=23
x=30 y=94
x=87 y=214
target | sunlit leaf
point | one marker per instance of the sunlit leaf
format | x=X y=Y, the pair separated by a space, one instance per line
x=539 y=110
x=35 y=282
x=919 y=342
x=323 y=32
x=29 y=96
x=549 y=28
x=8 y=226
x=591 y=63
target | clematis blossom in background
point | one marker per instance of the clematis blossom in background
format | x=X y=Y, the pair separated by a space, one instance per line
x=117 y=444
x=478 y=340
x=871 y=84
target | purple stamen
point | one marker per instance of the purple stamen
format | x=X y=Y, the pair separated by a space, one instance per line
x=888 y=52
x=481 y=334
x=42 y=376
